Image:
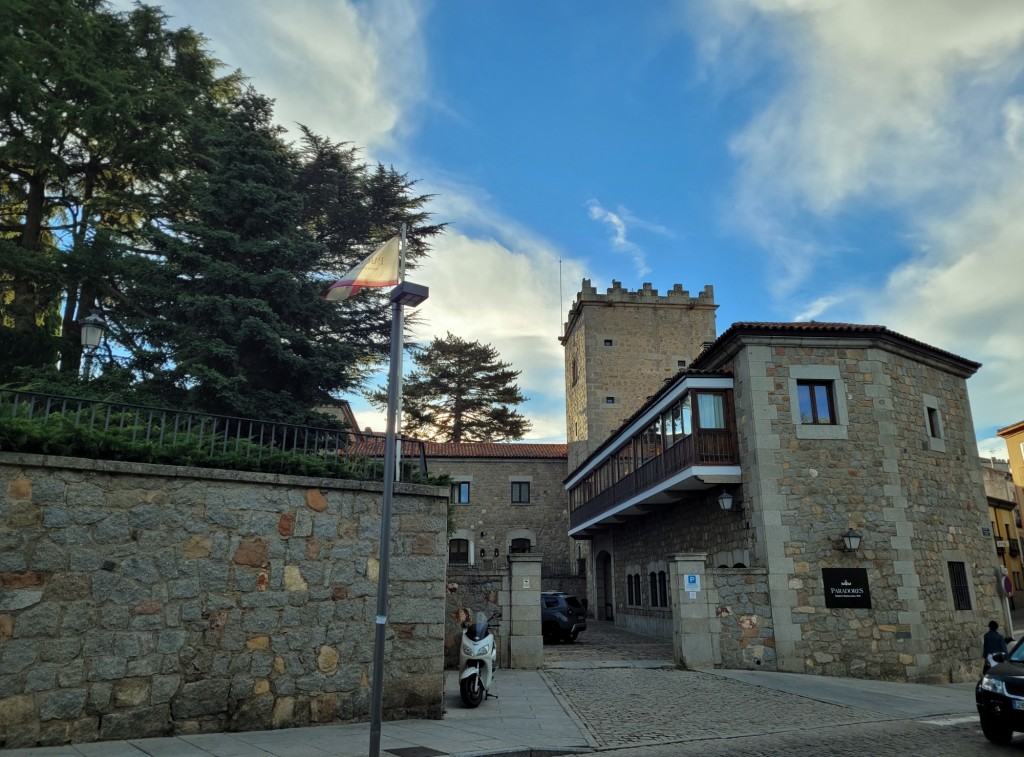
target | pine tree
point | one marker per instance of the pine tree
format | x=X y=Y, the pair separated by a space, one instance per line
x=460 y=392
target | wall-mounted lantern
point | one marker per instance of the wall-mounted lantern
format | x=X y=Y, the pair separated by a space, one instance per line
x=851 y=540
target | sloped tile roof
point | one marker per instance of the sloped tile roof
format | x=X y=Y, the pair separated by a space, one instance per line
x=496 y=450
x=826 y=329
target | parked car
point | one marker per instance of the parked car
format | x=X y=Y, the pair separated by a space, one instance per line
x=562 y=616
x=1000 y=696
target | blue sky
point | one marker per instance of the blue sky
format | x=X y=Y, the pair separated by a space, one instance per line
x=810 y=159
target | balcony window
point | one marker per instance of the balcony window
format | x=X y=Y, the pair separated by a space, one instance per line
x=711 y=410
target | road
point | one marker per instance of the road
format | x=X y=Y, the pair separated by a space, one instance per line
x=629 y=700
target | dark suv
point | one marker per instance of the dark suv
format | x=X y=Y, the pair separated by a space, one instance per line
x=1000 y=696
x=562 y=616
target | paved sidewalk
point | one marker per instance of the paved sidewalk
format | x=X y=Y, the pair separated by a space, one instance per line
x=526 y=715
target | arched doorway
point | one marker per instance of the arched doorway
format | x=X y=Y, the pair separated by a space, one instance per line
x=603 y=581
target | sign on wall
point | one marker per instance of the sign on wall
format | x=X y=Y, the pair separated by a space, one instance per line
x=846 y=587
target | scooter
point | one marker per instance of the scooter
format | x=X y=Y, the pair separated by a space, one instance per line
x=477 y=659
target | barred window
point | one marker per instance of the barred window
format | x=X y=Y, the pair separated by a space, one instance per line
x=958 y=582
x=458 y=551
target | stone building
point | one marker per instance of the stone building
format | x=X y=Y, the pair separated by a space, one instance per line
x=506 y=499
x=804 y=497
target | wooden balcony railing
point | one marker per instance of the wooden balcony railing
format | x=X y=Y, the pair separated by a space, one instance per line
x=703 y=447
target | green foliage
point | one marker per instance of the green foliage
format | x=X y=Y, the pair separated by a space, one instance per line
x=137 y=180
x=124 y=438
x=460 y=392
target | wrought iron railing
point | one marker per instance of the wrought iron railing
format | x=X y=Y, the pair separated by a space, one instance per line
x=119 y=431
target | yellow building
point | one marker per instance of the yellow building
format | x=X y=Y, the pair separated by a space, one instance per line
x=1013 y=435
x=1005 y=519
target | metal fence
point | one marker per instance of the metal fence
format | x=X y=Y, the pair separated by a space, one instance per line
x=117 y=431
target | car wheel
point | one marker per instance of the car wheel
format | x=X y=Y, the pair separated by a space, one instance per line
x=571 y=636
x=996 y=730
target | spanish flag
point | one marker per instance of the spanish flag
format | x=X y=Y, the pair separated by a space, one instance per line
x=380 y=269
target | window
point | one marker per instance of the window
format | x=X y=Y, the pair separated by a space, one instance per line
x=636 y=589
x=933 y=423
x=958 y=583
x=662 y=589
x=817 y=407
x=629 y=590
x=458 y=552
x=654 y=589
x=460 y=493
x=608 y=342
x=575 y=372
x=520 y=492
x=711 y=410
x=609 y=400
x=680 y=364
x=519 y=546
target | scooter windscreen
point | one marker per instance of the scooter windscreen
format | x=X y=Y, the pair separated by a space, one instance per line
x=478 y=628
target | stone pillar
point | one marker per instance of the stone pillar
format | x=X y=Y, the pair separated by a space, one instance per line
x=526 y=643
x=693 y=609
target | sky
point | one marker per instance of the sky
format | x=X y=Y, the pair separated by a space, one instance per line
x=857 y=161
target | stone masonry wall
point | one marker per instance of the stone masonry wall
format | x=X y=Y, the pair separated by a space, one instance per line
x=643 y=545
x=490 y=511
x=918 y=501
x=744 y=615
x=140 y=600
x=477 y=590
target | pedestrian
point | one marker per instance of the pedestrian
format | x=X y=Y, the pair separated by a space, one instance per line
x=994 y=643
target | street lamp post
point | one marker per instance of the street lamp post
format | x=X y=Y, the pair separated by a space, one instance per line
x=92 y=329
x=406 y=293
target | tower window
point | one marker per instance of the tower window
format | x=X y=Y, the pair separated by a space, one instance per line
x=609 y=342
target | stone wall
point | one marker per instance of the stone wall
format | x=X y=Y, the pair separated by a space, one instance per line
x=643 y=545
x=140 y=600
x=477 y=590
x=917 y=500
x=743 y=611
x=489 y=521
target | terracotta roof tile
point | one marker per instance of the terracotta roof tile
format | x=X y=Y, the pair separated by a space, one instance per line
x=495 y=450
x=829 y=329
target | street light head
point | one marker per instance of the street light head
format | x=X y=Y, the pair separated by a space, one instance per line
x=93 y=328
x=409 y=294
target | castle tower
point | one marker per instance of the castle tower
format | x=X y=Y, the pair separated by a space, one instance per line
x=619 y=349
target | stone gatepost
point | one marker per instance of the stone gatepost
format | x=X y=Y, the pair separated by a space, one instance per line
x=526 y=643
x=693 y=610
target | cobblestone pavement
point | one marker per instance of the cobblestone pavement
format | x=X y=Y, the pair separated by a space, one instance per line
x=649 y=706
x=933 y=737
x=628 y=698
x=603 y=642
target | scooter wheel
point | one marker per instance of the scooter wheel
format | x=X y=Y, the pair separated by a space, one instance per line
x=472 y=691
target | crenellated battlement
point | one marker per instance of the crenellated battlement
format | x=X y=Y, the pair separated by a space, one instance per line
x=646 y=294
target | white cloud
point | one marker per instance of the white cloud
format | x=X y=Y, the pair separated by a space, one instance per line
x=351 y=71
x=993 y=447
x=620 y=242
x=913 y=107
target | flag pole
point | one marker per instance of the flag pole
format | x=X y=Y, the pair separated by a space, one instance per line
x=401 y=327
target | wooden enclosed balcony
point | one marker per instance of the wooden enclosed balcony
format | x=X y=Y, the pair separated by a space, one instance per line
x=705 y=458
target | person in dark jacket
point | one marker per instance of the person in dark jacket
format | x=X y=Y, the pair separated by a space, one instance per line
x=994 y=643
